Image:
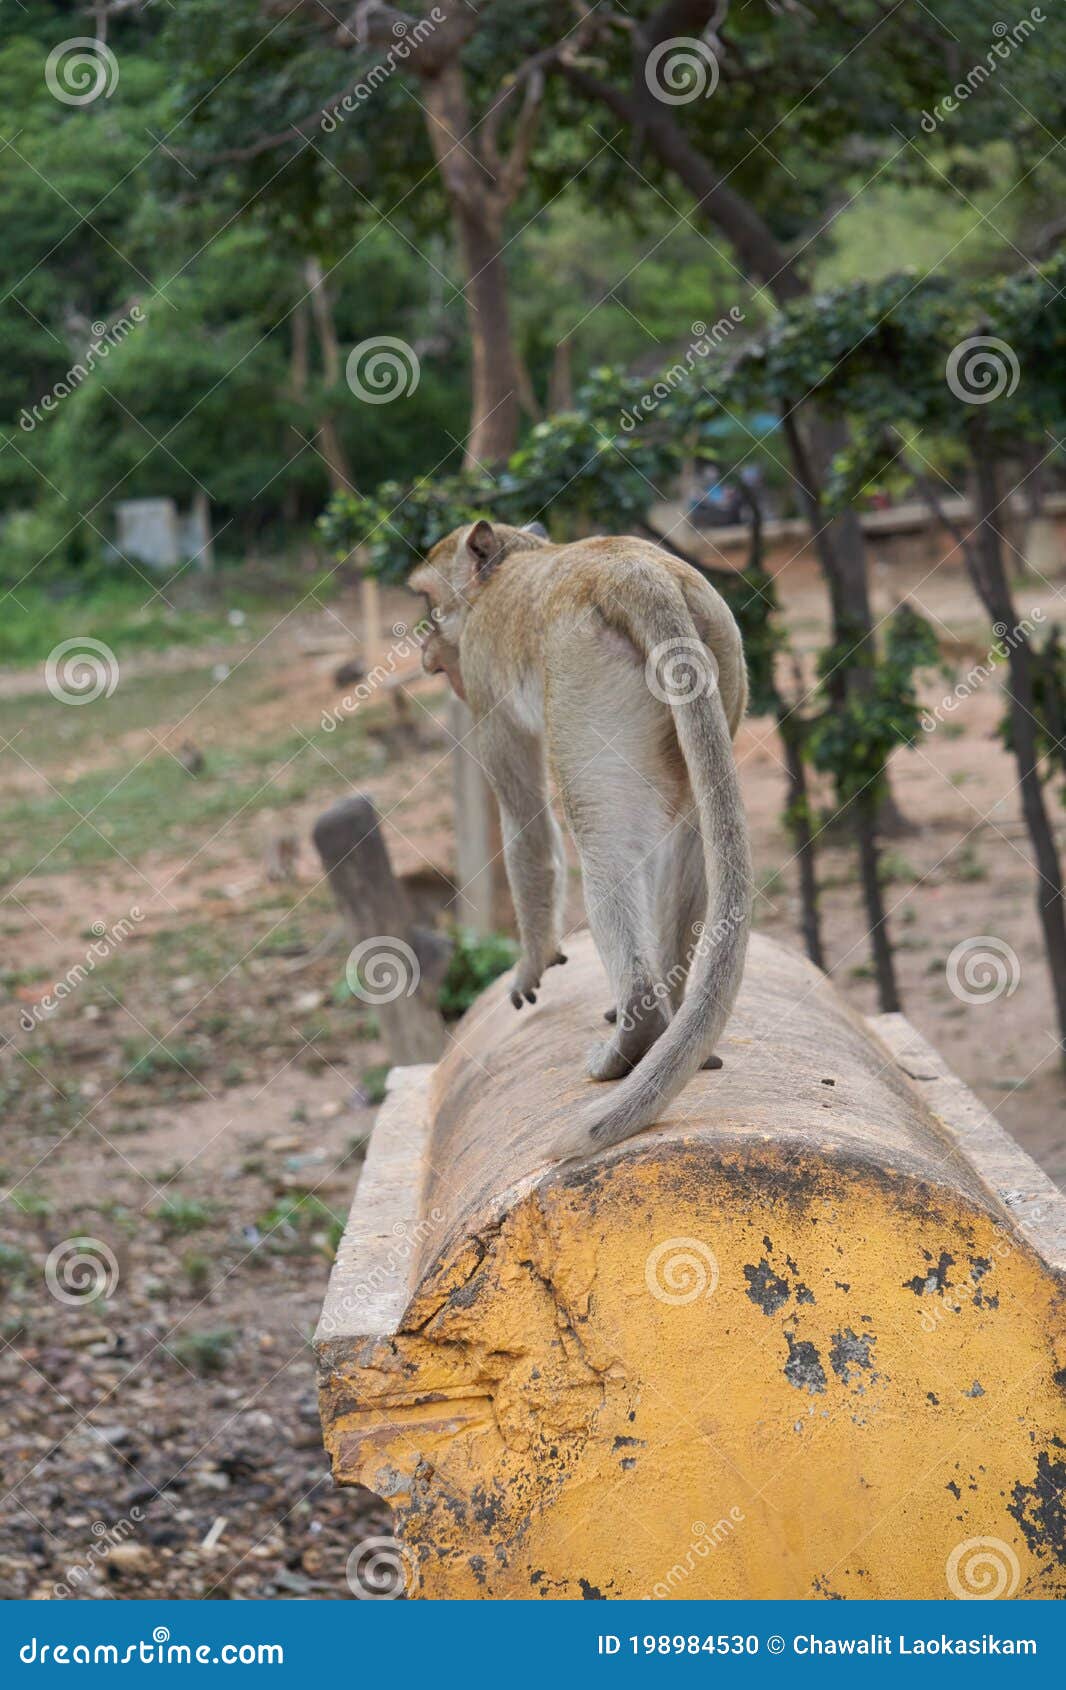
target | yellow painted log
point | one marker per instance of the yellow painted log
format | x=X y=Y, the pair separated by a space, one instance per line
x=804 y=1338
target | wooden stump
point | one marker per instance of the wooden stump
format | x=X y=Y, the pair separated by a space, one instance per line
x=394 y=965
x=804 y=1338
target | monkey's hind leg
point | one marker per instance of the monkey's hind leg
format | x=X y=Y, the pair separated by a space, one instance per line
x=618 y=819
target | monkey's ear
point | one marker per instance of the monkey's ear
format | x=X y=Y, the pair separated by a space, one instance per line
x=538 y=529
x=482 y=545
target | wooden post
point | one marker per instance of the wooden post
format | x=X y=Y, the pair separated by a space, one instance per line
x=483 y=902
x=394 y=966
x=370 y=618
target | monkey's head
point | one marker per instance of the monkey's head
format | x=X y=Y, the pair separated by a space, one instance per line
x=452 y=578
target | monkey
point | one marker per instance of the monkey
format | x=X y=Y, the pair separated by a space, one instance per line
x=617 y=670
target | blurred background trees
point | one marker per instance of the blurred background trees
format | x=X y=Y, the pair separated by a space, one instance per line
x=542 y=207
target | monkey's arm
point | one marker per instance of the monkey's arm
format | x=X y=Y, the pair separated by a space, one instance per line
x=513 y=759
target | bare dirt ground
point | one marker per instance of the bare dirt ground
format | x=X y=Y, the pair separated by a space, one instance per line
x=199 y=1102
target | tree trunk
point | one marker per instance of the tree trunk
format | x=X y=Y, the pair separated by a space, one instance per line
x=985 y=561
x=494 y=410
x=333 y=454
x=561 y=379
x=870 y=865
x=844 y=567
x=799 y=823
x=494 y=377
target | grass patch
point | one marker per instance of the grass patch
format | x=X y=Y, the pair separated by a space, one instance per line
x=205 y=1353
x=475 y=963
x=302 y=1223
x=182 y=1215
x=121 y=809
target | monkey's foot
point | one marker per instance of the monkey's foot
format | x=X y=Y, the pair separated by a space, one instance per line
x=606 y=1062
x=635 y=1032
x=712 y=1062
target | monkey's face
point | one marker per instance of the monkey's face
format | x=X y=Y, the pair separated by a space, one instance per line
x=441 y=581
x=451 y=580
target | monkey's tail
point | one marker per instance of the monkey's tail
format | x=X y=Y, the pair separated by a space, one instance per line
x=667 y=636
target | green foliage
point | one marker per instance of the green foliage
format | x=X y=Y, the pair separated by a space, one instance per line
x=302 y=1223
x=475 y=963
x=14 y=1264
x=1048 y=662
x=373 y=1084
x=182 y=1215
x=204 y=1353
x=853 y=739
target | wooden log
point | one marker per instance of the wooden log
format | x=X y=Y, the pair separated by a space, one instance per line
x=394 y=965
x=804 y=1338
x=483 y=902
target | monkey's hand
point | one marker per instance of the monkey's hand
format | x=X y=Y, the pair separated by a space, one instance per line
x=527 y=977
